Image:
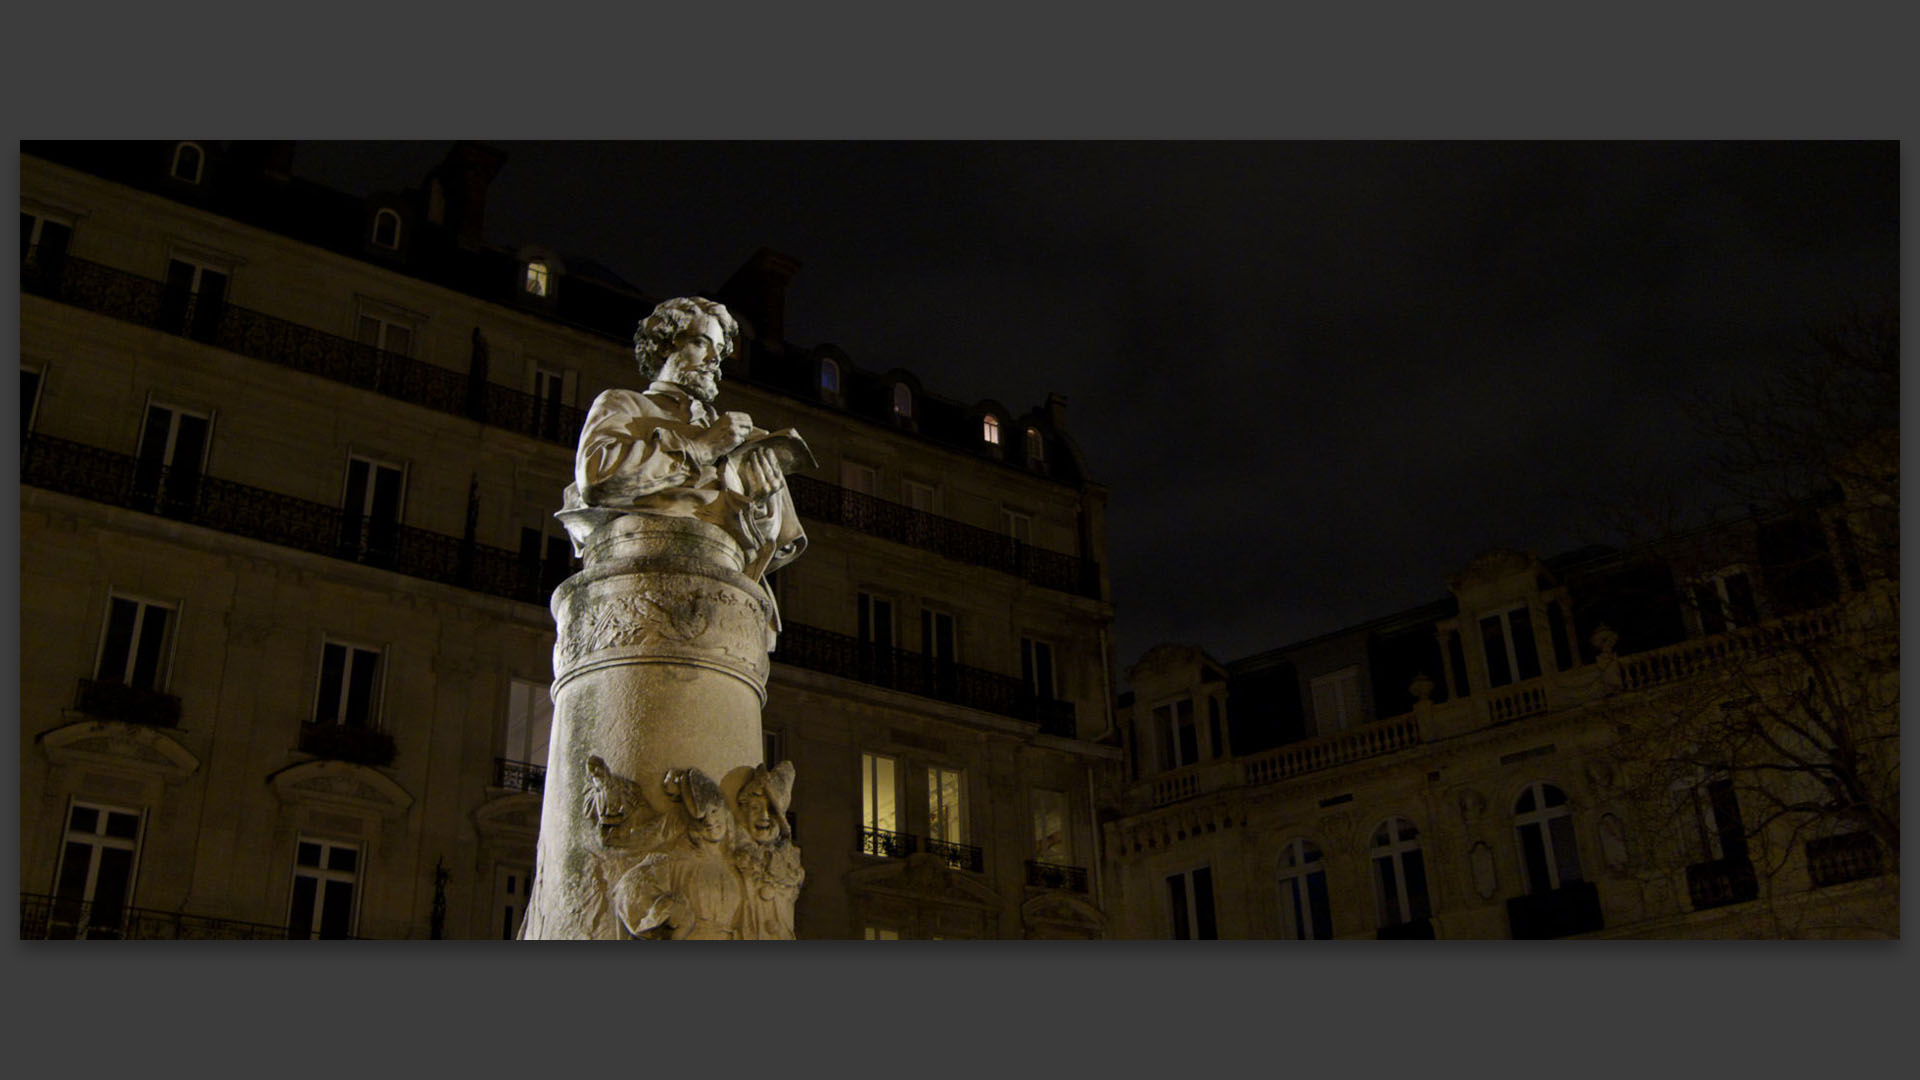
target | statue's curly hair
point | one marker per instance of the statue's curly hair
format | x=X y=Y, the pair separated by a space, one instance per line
x=653 y=339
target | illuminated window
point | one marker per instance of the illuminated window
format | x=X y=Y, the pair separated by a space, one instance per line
x=990 y=429
x=902 y=400
x=386 y=229
x=188 y=160
x=537 y=281
x=1544 y=825
x=1399 y=874
x=137 y=643
x=326 y=876
x=829 y=376
x=881 y=933
x=1036 y=446
x=529 y=722
x=879 y=807
x=1305 y=914
x=946 y=805
x=1336 y=700
x=349 y=692
x=98 y=858
x=1512 y=654
x=1052 y=831
x=1190 y=905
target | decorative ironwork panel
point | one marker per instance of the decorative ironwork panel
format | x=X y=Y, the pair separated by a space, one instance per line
x=118 y=701
x=519 y=775
x=959 y=856
x=898 y=669
x=1833 y=860
x=1720 y=882
x=43 y=917
x=1044 y=875
x=891 y=845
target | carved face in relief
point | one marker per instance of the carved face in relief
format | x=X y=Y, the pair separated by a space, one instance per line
x=694 y=362
x=756 y=813
x=711 y=829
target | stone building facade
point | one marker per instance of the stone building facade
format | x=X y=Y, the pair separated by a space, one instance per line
x=1580 y=747
x=290 y=459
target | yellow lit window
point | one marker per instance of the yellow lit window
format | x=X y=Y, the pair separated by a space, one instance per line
x=537 y=278
x=990 y=429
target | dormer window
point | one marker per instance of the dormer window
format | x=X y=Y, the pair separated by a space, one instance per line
x=188 y=162
x=829 y=376
x=538 y=282
x=386 y=230
x=902 y=401
x=990 y=430
x=1036 y=447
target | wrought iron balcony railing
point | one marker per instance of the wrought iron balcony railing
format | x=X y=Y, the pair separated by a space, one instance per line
x=338 y=742
x=103 y=476
x=118 y=701
x=818 y=500
x=887 y=844
x=131 y=298
x=898 y=669
x=958 y=856
x=45 y=917
x=519 y=775
x=1832 y=860
x=1045 y=875
x=1562 y=912
x=1720 y=882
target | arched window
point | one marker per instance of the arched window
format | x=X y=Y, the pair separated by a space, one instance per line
x=1544 y=823
x=829 y=375
x=538 y=280
x=1036 y=446
x=188 y=161
x=990 y=429
x=1399 y=874
x=386 y=229
x=1304 y=912
x=902 y=400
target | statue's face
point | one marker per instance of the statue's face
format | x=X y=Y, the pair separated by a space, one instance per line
x=758 y=814
x=713 y=827
x=694 y=362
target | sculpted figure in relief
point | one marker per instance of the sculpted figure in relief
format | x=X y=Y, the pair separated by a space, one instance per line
x=688 y=889
x=769 y=864
x=666 y=450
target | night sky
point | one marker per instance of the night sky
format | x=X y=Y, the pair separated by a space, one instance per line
x=1317 y=378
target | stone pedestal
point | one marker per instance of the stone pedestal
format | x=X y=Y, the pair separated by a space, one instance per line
x=660 y=672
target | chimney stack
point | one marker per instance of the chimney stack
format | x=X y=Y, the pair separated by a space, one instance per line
x=457 y=189
x=758 y=290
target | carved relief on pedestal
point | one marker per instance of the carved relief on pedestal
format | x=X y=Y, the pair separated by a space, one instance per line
x=709 y=868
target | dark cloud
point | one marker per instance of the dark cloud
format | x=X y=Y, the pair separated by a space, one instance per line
x=1316 y=377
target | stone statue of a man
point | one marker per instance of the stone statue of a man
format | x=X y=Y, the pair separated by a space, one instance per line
x=665 y=450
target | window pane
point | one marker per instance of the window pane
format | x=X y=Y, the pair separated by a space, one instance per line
x=1177 y=905
x=399 y=340
x=1526 y=654
x=112 y=884
x=1566 y=854
x=336 y=909
x=333 y=670
x=1495 y=644
x=115 y=652
x=308 y=854
x=151 y=648
x=1293 y=912
x=360 y=682
x=84 y=819
x=1386 y=892
x=369 y=330
x=1415 y=868
x=1203 y=904
x=342 y=858
x=1552 y=796
x=1533 y=853
x=300 y=918
x=76 y=862
x=1321 y=909
x=123 y=826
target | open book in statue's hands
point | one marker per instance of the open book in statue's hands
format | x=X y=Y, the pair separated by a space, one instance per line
x=766 y=457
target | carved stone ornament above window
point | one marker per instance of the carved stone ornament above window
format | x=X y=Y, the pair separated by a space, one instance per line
x=121 y=747
x=340 y=785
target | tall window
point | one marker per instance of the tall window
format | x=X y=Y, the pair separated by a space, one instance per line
x=1708 y=813
x=1036 y=669
x=30 y=379
x=549 y=397
x=1305 y=914
x=879 y=804
x=511 y=884
x=1190 y=905
x=189 y=162
x=1725 y=601
x=172 y=457
x=326 y=876
x=137 y=643
x=1399 y=874
x=875 y=620
x=990 y=429
x=1336 y=700
x=546 y=558
x=1544 y=824
x=1179 y=737
x=902 y=400
x=1052 y=831
x=1036 y=446
x=195 y=295
x=921 y=497
x=386 y=229
x=529 y=722
x=349 y=693
x=1019 y=525
x=94 y=882
x=1512 y=654
x=946 y=805
x=538 y=280
x=384 y=334
x=43 y=241
x=370 y=518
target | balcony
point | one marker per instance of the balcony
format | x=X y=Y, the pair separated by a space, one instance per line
x=1721 y=882
x=145 y=302
x=1328 y=751
x=887 y=844
x=118 y=701
x=897 y=669
x=1509 y=704
x=337 y=742
x=958 y=856
x=818 y=500
x=52 y=918
x=103 y=476
x=1833 y=860
x=1691 y=658
x=1044 y=875
x=519 y=776
x=1562 y=912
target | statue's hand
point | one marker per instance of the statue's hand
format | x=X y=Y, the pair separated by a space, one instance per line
x=729 y=431
x=760 y=474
